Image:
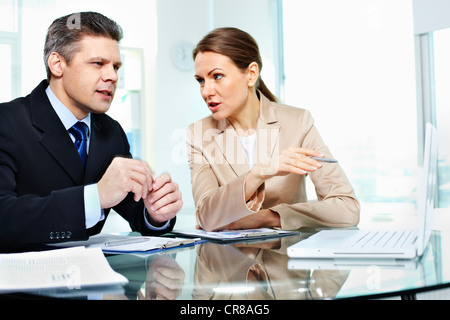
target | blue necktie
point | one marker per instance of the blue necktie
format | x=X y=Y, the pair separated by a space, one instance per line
x=80 y=131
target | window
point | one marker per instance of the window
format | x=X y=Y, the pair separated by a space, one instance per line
x=127 y=102
x=10 y=15
x=352 y=64
x=10 y=41
x=5 y=67
x=441 y=49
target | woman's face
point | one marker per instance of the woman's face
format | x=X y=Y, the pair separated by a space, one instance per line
x=223 y=86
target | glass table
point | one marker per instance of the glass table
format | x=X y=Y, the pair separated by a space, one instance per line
x=261 y=270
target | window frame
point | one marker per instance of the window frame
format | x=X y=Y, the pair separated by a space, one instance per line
x=14 y=40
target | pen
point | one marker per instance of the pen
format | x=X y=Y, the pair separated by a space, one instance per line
x=327 y=160
x=124 y=242
x=184 y=242
x=259 y=234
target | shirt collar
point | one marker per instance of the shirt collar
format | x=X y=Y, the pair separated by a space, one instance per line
x=64 y=114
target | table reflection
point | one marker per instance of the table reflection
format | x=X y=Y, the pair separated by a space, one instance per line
x=151 y=277
x=242 y=271
x=259 y=271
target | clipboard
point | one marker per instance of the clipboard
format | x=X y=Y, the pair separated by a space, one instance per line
x=234 y=235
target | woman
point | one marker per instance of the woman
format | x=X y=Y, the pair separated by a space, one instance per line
x=249 y=159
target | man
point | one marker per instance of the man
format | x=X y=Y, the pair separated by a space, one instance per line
x=56 y=185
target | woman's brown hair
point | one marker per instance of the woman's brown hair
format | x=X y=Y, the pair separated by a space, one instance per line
x=237 y=45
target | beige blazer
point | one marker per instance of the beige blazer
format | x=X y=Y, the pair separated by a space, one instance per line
x=219 y=167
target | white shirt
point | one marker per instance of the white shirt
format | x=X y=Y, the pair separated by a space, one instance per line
x=93 y=210
x=248 y=144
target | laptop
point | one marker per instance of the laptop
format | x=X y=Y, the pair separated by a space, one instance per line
x=393 y=244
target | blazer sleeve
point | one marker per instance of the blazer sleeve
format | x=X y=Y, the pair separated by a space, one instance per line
x=336 y=205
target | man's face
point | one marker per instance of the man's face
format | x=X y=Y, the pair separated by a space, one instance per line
x=89 y=80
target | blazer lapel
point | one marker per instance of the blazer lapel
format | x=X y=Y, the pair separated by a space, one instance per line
x=267 y=144
x=55 y=138
x=227 y=141
x=268 y=130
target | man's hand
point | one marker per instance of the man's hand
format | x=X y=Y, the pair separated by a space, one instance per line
x=164 y=200
x=123 y=176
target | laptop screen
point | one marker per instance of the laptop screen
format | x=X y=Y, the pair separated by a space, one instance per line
x=427 y=186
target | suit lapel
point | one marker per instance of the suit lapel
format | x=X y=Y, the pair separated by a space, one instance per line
x=98 y=150
x=64 y=152
x=55 y=138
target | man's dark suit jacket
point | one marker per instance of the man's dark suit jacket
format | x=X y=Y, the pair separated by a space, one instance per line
x=42 y=178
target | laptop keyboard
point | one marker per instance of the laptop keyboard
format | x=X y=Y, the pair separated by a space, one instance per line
x=386 y=239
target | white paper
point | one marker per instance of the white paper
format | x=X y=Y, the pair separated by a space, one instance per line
x=71 y=268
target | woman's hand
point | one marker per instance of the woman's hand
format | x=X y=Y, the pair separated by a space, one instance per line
x=292 y=160
x=264 y=218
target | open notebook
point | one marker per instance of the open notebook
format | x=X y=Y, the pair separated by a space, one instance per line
x=399 y=244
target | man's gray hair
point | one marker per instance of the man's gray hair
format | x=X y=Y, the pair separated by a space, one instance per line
x=65 y=33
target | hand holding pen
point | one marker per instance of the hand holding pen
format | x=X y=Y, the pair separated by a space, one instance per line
x=294 y=160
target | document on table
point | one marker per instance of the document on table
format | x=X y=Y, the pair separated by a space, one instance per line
x=71 y=268
x=234 y=235
x=110 y=243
